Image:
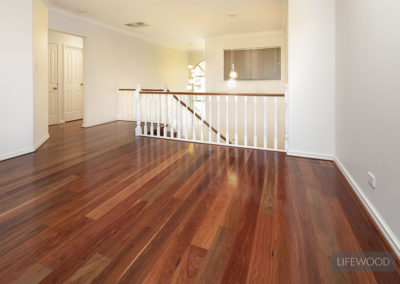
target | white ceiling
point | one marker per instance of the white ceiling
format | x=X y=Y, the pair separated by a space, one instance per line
x=183 y=23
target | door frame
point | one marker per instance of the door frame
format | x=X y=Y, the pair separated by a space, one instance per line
x=61 y=47
x=58 y=83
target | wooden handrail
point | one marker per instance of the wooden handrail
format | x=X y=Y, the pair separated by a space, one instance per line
x=161 y=91
x=146 y=90
x=200 y=118
x=211 y=94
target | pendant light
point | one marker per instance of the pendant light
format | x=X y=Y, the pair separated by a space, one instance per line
x=233 y=74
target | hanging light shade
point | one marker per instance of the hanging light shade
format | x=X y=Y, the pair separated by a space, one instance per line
x=233 y=74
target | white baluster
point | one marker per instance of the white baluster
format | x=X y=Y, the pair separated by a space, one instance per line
x=145 y=113
x=286 y=119
x=245 y=121
x=132 y=105
x=138 y=129
x=194 y=123
x=151 y=116
x=158 y=98
x=187 y=118
x=175 y=113
x=179 y=117
x=182 y=114
x=118 y=105
x=236 y=121
x=219 y=122
x=172 y=116
x=265 y=123
x=202 y=119
x=209 y=119
x=255 y=122
x=227 y=120
x=165 y=110
x=168 y=110
x=276 y=123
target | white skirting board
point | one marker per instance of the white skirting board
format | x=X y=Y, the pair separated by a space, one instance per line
x=16 y=153
x=85 y=125
x=311 y=155
x=371 y=209
x=26 y=150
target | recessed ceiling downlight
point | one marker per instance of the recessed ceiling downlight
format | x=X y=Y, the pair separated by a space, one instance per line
x=81 y=10
x=137 y=25
x=233 y=14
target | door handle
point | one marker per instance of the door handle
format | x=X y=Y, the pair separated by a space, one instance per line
x=55 y=88
x=81 y=84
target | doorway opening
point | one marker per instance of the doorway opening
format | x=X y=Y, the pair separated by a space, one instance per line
x=66 y=82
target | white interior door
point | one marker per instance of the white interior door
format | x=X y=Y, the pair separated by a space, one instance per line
x=73 y=83
x=53 y=83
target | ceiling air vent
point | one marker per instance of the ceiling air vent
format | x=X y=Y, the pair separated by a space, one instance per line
x=137 y=25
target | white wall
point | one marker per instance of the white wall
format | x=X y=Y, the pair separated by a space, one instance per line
x=311 y=56
x=63 y=39
x=40 y=73
x=116 y=59
x=214 y=54
x=16 y=78
x=367 y=103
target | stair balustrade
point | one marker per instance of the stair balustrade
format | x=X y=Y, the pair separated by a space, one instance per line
x=232 y=119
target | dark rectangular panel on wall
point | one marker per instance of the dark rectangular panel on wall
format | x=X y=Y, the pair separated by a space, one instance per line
x=254 y=63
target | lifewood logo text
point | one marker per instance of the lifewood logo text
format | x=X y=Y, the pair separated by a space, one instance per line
x=363 y=261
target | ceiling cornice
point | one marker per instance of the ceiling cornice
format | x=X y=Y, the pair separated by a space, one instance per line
x=268 y=33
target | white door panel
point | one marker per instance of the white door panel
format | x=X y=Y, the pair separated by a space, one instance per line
x=53 y=84
x=73 y=83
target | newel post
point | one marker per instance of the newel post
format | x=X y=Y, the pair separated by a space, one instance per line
x=138 y=129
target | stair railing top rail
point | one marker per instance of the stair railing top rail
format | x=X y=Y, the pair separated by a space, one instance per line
x=161 y=91
x=145 y=91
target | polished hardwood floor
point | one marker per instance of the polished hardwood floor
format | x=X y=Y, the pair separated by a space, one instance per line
x=101 y=205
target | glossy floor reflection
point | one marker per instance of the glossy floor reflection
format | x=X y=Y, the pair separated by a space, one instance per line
x=100 y=205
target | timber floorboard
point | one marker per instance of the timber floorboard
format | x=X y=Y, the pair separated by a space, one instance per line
x=99 y=205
